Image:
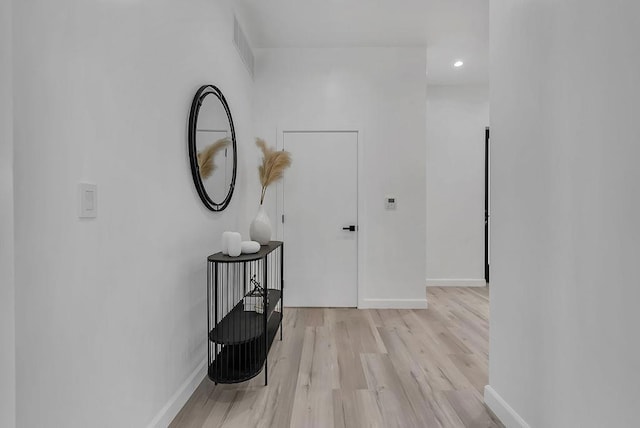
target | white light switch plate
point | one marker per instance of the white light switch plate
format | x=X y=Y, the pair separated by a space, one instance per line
x=88 y=200
x=390 y=202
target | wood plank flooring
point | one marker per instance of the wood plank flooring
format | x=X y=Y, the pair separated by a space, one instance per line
x=349 y=368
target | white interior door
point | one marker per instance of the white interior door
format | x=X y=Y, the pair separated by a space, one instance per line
x=320 y=193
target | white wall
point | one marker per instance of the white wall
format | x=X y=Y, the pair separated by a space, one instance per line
x=7 y=291
x=111 y=317
x=565 y=96
x=457 y=117
x=380 y=91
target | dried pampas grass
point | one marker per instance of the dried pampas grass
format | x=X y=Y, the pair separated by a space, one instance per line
x=273 y=165
x=207 y=156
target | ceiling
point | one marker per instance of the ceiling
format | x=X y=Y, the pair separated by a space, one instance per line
x=448 y=29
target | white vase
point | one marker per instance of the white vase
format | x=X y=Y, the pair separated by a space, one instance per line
x=260 y=229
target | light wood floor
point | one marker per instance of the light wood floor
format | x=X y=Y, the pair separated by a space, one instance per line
x=351 y=368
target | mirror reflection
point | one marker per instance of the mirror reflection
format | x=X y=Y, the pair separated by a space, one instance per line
x=213 y=144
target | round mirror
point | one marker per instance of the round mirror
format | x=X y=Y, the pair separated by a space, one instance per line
x=212 y=148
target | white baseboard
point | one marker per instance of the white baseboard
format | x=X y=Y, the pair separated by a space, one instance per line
x=502 y=410
x=393 y=304
x=456 y=283
x=180 y=398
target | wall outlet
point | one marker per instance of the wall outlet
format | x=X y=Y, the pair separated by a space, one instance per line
x=88 y=200
x=390 y=202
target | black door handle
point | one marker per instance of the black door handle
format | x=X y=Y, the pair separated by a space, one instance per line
x=350 y=228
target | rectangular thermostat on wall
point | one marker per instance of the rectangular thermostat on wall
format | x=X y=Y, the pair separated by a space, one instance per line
x=390 y=202
x=88 y=200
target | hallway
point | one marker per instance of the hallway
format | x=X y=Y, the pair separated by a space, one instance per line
x=354 y=368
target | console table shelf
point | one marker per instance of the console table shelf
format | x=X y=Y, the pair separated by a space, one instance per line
x=234 y=363
x=240 y=326
x=244 y=300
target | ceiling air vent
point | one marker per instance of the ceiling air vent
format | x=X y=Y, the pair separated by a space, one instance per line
x=244 y=49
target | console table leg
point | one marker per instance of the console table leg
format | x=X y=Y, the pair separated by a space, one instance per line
x=281 y=289
x=266 y=332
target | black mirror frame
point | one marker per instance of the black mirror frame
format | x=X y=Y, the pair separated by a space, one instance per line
x=201 y=94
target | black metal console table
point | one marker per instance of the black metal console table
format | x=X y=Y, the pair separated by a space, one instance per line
x=244 y=312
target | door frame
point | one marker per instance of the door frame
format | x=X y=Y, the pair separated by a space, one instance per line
x=487 y=207
x=360 y=237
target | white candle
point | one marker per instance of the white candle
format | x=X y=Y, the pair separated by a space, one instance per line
x=234 y=244
x=225 y=242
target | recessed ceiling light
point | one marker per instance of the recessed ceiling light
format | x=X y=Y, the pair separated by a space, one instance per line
x=458 y=64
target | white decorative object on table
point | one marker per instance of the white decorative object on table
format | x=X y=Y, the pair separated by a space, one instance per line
x=270 y=170
x=234 y=242
x=225 y=243
x=250 y=247
x=260 y=229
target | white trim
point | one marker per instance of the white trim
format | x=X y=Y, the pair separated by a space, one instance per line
x=180 y=398
x=393 y=304
x=502 y=410
x=456 y=283
x=362 y=227
x=360 y=210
